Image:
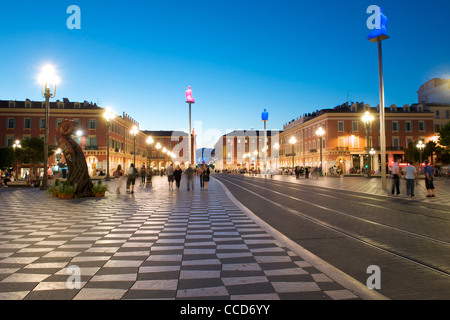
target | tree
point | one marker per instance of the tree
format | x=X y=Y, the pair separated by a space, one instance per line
x=444 y=136
x=32 y=152
x=444 y=141
x=7 y=158
x=412 y=152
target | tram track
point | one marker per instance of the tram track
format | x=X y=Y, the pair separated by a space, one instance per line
x=349 y=234
x=355 y=194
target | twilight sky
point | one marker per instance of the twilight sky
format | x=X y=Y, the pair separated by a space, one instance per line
x=239 y=57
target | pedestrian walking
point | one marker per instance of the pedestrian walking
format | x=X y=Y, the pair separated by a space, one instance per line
x=206 y=173
x=429 y=178
x=131 y=178
x=177 y=176
x=200 y=174
x=149 y=175
x=118 y=177
x=169 y=172
x=142 y=173
x=410 y=177
x=189 y=172
x=395 y=172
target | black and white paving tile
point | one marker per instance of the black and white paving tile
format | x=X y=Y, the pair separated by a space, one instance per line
x=155 y=244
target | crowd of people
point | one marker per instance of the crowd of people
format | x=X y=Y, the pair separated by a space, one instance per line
x=8 y=176
x=410 y=175
x=174 y=175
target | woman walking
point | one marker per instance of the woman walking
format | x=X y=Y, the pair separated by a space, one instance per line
x=177 y=175
x=200 y=173
x=118 y=174
x=206 y=174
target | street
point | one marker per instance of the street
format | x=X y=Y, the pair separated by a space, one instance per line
x=409 y=240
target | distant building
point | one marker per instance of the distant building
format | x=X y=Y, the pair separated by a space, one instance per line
x=435 y=91
x=169 y=140
x=26 y=119
x=205 y=155
x=231 y=152
x=435 y=96
x=344 y=144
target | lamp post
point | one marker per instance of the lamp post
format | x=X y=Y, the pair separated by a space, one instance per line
x=367 y=119
x=158 y=146
x=149 y=143
x=134 y=131
x=276 y=146
x=320 y=132
x=420 y=146
x=293 y=141
x=47 y=79
x=109 y=116
x=372 y=153
x=190 y=100
x=255 y=153
x=265 y=118
x=377 y=36
x=17 y=145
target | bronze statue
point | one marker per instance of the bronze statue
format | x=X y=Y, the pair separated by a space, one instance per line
x=75 y=159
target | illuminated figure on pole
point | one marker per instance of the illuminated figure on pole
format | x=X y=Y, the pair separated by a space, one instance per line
x=379 y=25
x=378 y=22
x=190 y=100
x=189 y=97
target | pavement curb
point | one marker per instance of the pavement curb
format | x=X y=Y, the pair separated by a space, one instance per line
x=335 y=274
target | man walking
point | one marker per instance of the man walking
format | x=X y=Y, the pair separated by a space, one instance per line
x=410 y=177
x=429 y=185
x=170 y=171
x=396 y=177
x=190 y=177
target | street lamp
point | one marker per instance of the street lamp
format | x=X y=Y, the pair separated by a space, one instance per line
x=109 y=116
x=420 y=146
x=255 y=153
x=276 y=146
x=134 y=131
x=320 y=132
x=158 y=146
x=372 y=153
x=149 y=143
x=367 y=119
x=293 y=141
x=47 y=78
x=15 y=146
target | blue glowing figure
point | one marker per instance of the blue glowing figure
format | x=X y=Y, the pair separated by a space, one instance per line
x=265 y=115
x=379 y=27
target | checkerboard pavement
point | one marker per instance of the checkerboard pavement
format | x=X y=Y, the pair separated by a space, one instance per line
x=155 y=244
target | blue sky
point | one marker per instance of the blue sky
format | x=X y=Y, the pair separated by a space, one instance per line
x=239 y=57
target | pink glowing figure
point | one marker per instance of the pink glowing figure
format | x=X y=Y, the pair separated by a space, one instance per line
x=189 y=97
